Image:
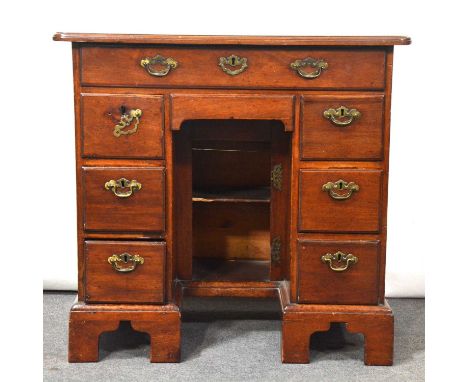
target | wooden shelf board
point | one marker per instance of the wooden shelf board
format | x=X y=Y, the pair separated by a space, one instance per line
x=211 y=269
x=253 y=195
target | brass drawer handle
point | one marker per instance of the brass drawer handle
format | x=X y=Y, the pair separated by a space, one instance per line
x=340 y=189
x=339 y=257
x=342 y=116
x=229 y=63
x=167 y=64
x=318 y=64
x=126 y=258
x=125 y=120
x=123 y=188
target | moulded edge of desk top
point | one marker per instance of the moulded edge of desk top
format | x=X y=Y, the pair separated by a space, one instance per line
x=232 y=40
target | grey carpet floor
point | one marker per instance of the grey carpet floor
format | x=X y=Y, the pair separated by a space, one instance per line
x=233 y=340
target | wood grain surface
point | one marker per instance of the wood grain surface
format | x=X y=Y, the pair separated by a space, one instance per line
x=102 y=112
x=233 y=40
x=318 y=284
x=145 y=284
x=361 y=68
x=318 y=212
x=143 y=211
x=360 y=140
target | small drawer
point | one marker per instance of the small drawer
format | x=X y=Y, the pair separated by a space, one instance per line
x=124 y=199
x=338 y=272
x=122 y=126
x=339 y=200
x=124 y=271
x=342 y=127
x=325 y=68
x=185 y=107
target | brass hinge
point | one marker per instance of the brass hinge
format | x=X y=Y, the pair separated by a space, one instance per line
x=277 y=177
x=276 y=250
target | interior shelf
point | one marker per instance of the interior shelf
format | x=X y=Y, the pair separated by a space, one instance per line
x=211 y=145
x=215 y=269
x=251 y=195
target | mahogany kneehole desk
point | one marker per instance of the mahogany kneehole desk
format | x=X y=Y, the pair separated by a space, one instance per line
x=231 y=166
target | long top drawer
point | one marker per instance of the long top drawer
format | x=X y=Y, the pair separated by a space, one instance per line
x=233 y=67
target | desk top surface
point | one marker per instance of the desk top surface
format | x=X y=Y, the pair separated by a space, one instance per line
x=233 y=40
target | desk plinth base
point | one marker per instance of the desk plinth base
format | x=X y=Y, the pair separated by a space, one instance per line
x=300 y=321
x=87 y=322
x=374 y=322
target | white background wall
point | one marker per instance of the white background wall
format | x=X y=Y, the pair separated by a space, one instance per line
x=428 y=186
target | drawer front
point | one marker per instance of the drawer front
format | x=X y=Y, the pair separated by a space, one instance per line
x=328 y=205
x=360 y=68
x=125 y=271
x=342 y=127
x=112 y=204
x=338 y=272
x=122 y=126
x=228 y=106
